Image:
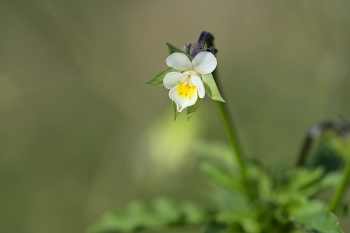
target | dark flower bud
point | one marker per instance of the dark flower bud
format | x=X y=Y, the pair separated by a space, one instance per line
x=195 y=49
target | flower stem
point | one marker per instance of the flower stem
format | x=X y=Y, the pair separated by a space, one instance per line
x=228 y=123
x=232 y=136
x=337 y=196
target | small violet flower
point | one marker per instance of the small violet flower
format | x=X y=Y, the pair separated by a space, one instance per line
x=186 y=85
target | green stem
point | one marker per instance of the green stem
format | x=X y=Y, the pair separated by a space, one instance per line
x=232 y=136
x=228 y=124
x=337 y=196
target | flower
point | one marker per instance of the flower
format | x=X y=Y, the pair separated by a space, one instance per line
x=186 y=85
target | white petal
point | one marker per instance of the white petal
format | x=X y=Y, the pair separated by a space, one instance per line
x=182 y=102
x=204 y=63
x=179 y=61
x=197 y=81
x=173 y=79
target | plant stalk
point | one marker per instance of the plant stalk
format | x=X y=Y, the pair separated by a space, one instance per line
x=337 y=196
x=228 y=122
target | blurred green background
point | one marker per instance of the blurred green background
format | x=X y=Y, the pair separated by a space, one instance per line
x=81 y=133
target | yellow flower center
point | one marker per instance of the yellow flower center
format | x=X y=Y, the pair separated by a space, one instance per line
x=187 y=89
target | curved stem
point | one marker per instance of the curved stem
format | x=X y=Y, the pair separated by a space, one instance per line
x=228 y=122
x=314 y=132
x=337 y=196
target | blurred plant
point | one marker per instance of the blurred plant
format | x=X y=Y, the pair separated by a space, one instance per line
x=247 y=197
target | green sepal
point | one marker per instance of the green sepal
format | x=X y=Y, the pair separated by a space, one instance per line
x=211 y=88
x=158 y=80
x=175 y=110
x=193 y=108
x=172 y=49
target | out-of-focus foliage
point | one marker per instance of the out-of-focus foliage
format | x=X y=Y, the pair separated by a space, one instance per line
x=281 y=201
x=162 y=214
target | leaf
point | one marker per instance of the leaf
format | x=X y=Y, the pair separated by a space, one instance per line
x=221 y=177
x=175 y=110
x=172 y=49
x=211 y=88
x=217 y=151
x=160 y=215
x=193 y=215
x=261 y=180
x=330 y=180
x=302 y=178
x=191 y=109
x=314 y=216
x=158 y=80
x=166 y=210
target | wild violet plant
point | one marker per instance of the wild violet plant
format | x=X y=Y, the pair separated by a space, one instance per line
x=248 y=197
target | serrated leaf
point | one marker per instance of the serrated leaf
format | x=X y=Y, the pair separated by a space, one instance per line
x=175 y=110
x=172 y=49
x=158 y=80
x=162 y=214
x=191 y=109
x=314 y=216
x=211 y=88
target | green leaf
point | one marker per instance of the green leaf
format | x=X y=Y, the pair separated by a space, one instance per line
x=175 y=110
x=330 y=180
x=217 y=151
x=193 y=108
x=160 y=215
x=172 y=49
x=193 y=215
x=314 y=216
x=221 y=177
x=303 y=177
x=158 y=80
x=262 y=181
x=211 y=88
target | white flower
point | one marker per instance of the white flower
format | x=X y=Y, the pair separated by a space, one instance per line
x=186 y=85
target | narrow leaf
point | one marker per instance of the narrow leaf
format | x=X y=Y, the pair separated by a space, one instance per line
x=172 y=49
x=158 y=80
x=221 y=177
x=175 y=110
x=193 y=108
x=211 y=88
x=302 y=178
